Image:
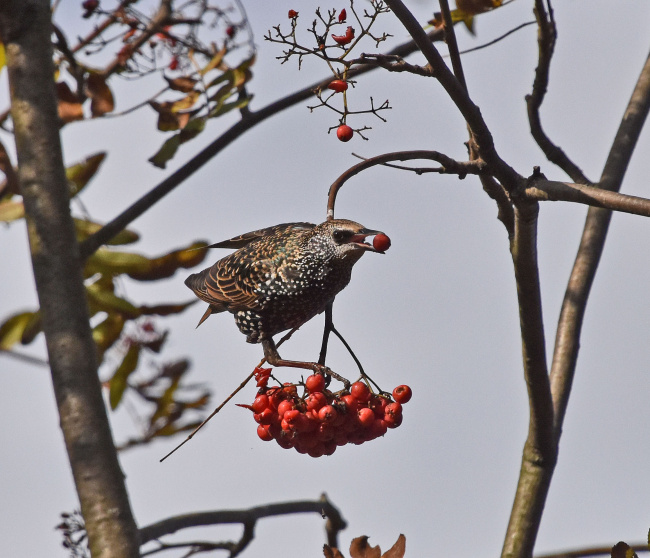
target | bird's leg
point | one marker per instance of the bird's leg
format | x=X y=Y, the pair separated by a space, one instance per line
x=326 y=333
x=274 y=359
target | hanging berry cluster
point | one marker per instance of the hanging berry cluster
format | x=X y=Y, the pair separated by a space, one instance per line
x=319 y=420
x=334 y=39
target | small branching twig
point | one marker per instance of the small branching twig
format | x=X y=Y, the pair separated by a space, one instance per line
x=547 y=36
x=248 y=518
x=449 y=166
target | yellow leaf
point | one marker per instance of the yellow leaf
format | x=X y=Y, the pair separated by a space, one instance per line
x=85 y=228
x=107 y=332
x=3 y=57
x=80 y=174
x=119 y=381
x=11 y=331
x=11 y=211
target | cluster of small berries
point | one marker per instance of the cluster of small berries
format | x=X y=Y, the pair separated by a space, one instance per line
x=320 y=421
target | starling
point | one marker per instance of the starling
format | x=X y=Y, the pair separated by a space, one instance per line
x=281 y=277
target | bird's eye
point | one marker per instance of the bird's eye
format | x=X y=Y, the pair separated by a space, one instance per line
x=338 y=236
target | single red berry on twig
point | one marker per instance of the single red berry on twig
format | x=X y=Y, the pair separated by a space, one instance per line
x=293 y=14
x=344 y=132
x=344 y=39
x=338 y=85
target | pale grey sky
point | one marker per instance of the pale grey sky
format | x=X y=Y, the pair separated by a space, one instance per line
x=437 y=312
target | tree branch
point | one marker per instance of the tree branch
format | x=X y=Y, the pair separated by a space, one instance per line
x=546 y=38
x=592 y=551
x=481 y=134
x=567 y=340
x=540 y=451
x=335 y=522
x=25 y=27
x=450 y=166
x=549 y=190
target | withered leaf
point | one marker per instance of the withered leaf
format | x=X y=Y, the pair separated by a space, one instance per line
x=398 y=549
x=70 y=108
x=101 y=97
x=183 y=84
x=359 y=548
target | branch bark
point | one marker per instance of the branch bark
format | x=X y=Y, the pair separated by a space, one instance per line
x=540 y=451
x=248 y=518
x=25 y=28
x=567 y=339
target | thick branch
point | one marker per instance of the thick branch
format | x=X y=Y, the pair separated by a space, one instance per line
x=592 y=551
x=567 y=340
x=249 y=517
x=549 y=190
x=480 y=132
x=540 y=451
x=25 y=28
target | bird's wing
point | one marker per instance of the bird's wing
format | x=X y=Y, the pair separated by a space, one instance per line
x=230 y=283
x=246 y=238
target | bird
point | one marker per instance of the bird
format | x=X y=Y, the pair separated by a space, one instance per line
x=280 y=277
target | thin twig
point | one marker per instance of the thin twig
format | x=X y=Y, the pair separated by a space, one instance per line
x=547 y=35
x=495 y=41
x=592 y=551
x=223 y=404
x=248 y=517
x=451 y=166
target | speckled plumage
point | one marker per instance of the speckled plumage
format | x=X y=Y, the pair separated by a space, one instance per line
x=282 y=276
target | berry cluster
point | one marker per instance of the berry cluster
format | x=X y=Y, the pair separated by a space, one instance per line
x=320 y=421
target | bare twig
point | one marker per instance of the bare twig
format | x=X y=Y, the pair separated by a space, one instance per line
x=498 y=39
x=248 y=517
x=592 y=551
x=452 y=44
x=451 y=166
x=547 y=35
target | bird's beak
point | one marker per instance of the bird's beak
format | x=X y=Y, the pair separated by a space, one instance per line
x=359 y=240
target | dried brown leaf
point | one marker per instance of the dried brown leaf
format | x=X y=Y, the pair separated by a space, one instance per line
x=359 y=548
x=70 y=108
x=101 y=97
x=397 y=550
x=183 y=84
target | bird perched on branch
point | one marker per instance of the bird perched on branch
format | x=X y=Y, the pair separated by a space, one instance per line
x=281 y=277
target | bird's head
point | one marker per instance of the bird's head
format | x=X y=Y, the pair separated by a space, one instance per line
x=346 y=239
